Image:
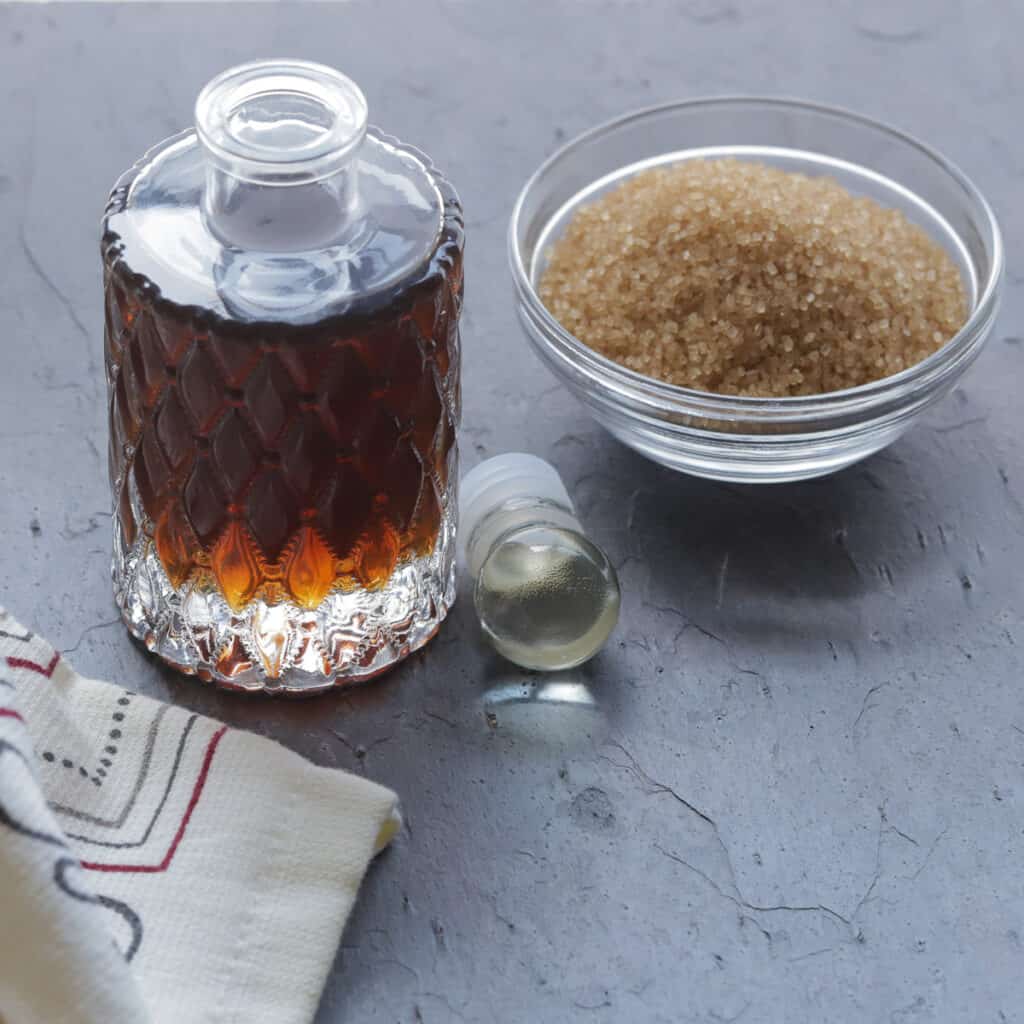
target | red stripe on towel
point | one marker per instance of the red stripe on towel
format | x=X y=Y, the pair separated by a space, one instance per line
x=193 y=800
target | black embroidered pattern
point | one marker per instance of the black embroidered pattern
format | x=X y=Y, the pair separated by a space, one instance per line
x=66 y=861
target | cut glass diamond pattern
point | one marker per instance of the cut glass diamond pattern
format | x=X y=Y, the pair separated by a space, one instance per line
x=284 y=506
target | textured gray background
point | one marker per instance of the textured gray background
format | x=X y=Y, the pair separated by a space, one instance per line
x=797 y=794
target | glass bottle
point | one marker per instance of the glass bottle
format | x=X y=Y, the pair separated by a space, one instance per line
x=283 y=288
x=546 y=597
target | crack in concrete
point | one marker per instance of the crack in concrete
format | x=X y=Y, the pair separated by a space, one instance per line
x=927 y=857
x=439 y=718
x=739 y=901
x=656 y=787
x=71 y=533
x=877 y=873
x=732 y=1019
x=949 y=428
x=743 y=918
x=593 y=1006
x=807 y=956
x=892 y=828
x=66 y=304
x=444 y=999
x=865 y=707
x=360 y=752
x=688 y=622
x=85 y=632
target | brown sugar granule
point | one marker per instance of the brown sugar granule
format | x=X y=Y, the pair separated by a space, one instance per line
x=733 y=277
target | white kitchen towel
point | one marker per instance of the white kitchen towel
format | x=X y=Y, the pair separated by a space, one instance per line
x=157 y=866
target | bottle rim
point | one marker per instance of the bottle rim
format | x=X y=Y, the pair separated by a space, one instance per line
x=281 y=122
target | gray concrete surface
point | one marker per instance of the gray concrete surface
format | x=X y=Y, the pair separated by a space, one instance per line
x=792 y=787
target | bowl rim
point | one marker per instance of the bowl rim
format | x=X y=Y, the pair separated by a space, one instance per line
x=787 y=406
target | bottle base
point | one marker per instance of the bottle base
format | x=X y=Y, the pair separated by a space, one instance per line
x=283 y=648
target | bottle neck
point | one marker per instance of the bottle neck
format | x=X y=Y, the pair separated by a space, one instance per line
x=505 y=493
x=281 y=141
x=509 y=517
x=281 y=218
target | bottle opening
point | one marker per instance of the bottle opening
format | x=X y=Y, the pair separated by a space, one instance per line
x=281 y=122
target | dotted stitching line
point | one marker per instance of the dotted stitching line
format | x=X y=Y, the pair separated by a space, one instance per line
x=100 y=772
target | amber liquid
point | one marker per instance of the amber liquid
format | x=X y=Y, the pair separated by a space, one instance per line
x=279 y=461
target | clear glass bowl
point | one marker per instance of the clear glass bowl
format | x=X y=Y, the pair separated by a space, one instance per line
x=758 y=440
